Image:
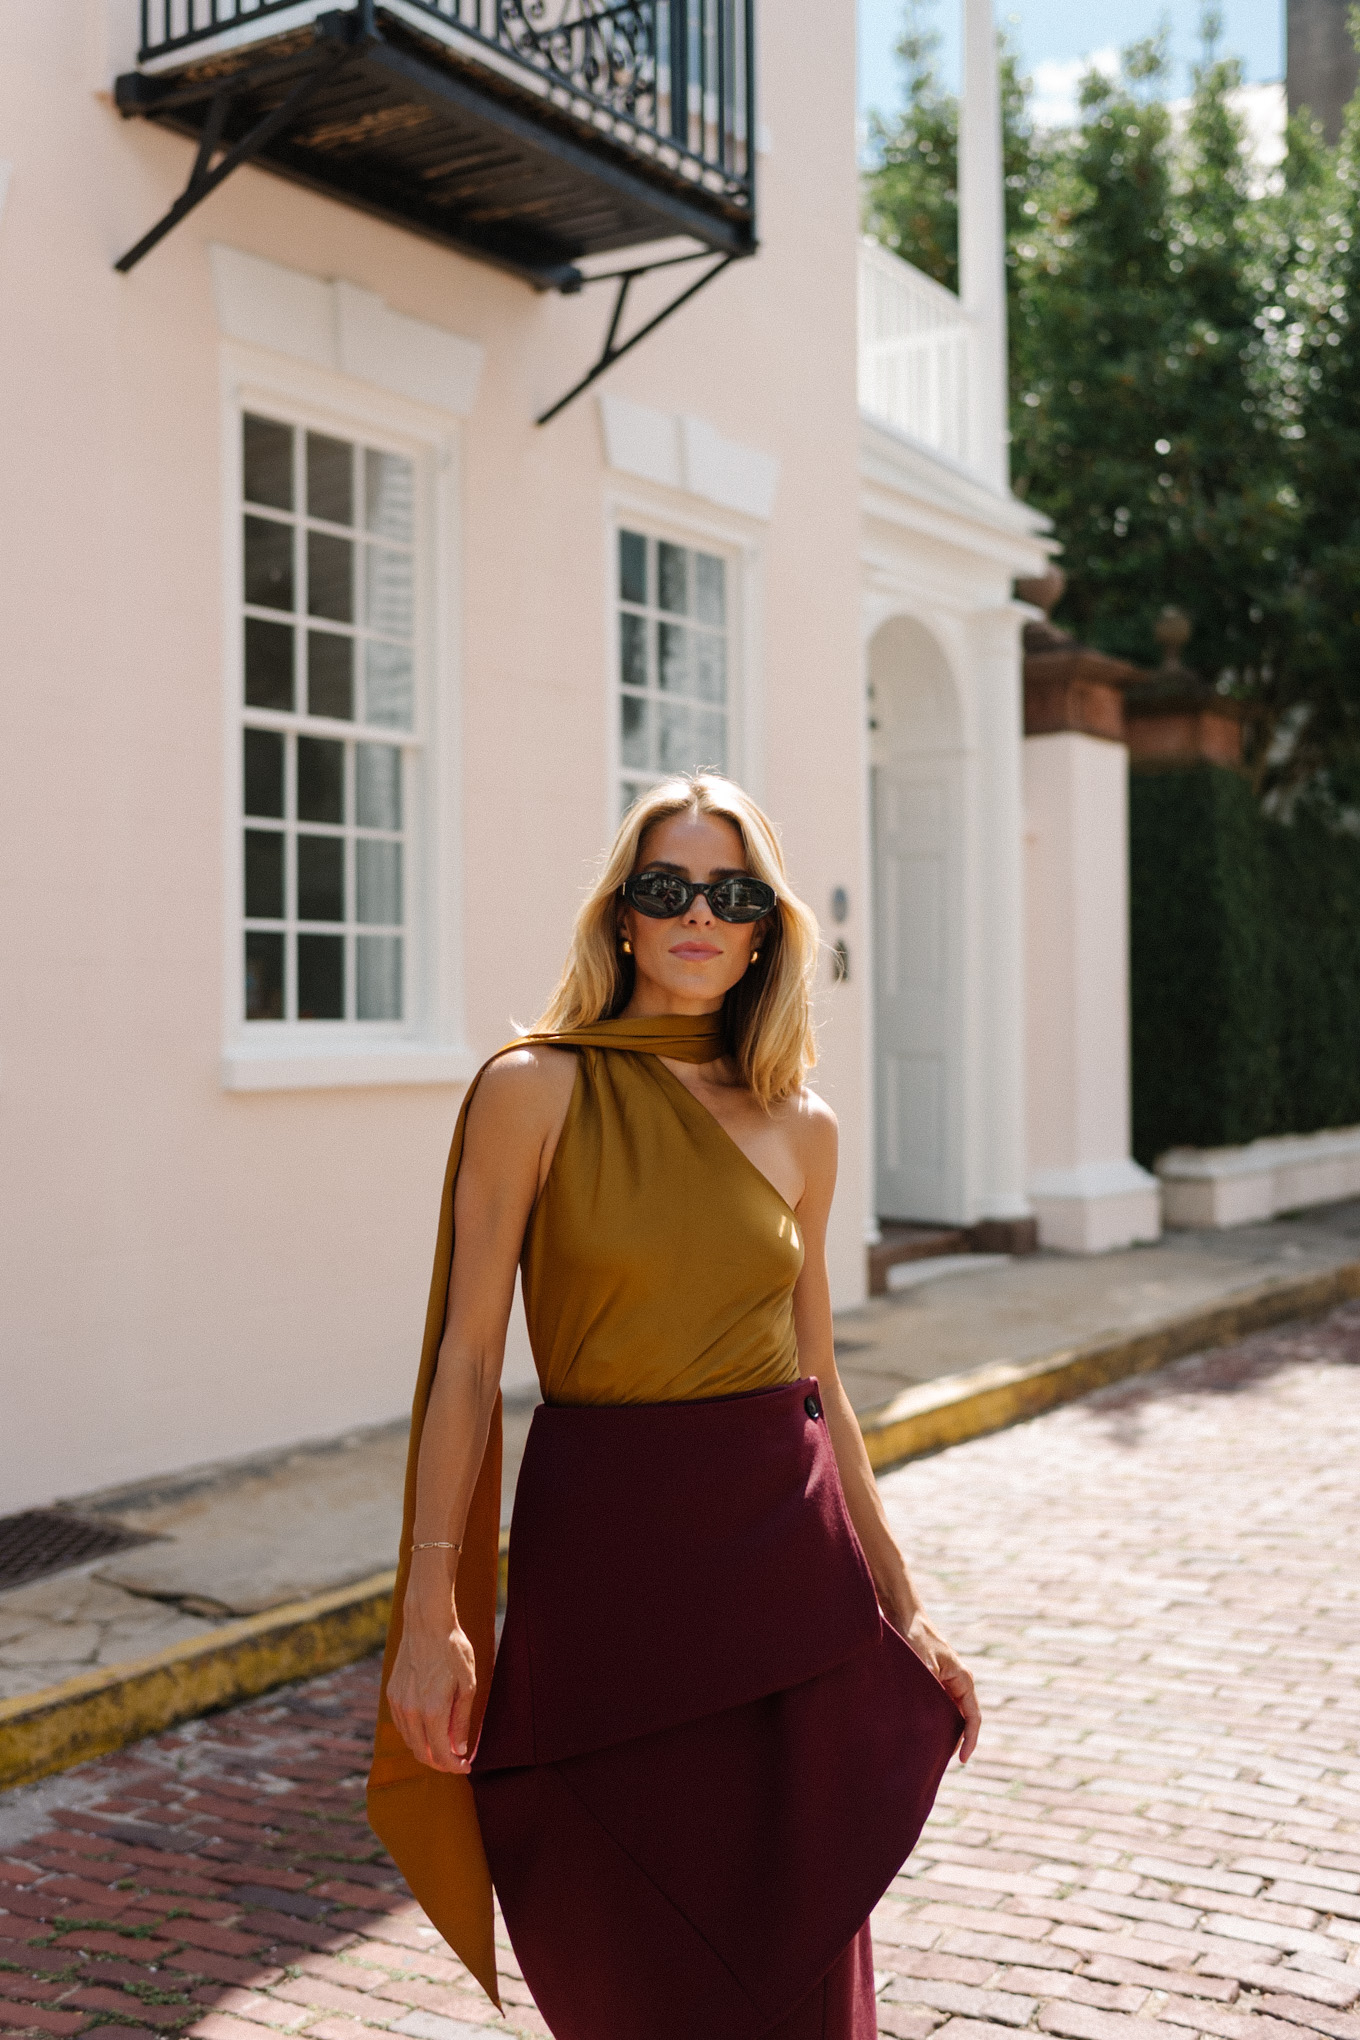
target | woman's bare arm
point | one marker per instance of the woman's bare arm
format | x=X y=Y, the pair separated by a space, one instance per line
x=512 y=1128
x=817 y=1355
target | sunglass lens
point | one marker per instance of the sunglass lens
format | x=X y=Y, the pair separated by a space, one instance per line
x=742 y=899
x=659 y=894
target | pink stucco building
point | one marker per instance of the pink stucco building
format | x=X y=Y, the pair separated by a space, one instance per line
x=328 y=669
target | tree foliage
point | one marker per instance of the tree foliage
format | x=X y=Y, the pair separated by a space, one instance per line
x=1185 y=377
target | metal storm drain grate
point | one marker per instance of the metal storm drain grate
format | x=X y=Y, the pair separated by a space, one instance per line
x=37 y=1542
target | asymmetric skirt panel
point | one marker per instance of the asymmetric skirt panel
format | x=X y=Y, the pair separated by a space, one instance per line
x=705 y=1755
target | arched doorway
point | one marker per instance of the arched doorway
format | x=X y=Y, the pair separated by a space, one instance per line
x=917 y=809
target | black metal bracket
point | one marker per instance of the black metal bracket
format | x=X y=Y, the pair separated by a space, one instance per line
x=336 y=30
x=625 y=278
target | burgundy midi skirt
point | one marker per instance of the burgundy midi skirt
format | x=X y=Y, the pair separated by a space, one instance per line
x=705 y=1754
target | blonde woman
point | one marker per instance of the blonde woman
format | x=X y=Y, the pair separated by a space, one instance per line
x=718 y=1717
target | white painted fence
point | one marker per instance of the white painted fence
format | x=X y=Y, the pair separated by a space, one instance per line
x=915 y=348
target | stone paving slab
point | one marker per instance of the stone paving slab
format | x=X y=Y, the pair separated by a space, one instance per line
x=1159 y=1836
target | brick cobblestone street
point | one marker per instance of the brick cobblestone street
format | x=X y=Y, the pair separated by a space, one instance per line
x=1160 y=1835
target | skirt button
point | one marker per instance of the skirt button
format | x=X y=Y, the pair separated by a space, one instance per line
x=812 y=1406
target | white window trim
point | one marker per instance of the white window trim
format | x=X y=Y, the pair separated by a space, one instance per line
x=430 y=1047
x=655 y=513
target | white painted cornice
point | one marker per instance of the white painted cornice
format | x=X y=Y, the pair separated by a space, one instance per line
x=911 y=489
x=901 y=463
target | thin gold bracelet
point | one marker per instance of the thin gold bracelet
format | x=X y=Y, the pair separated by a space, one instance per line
x=437 y=1544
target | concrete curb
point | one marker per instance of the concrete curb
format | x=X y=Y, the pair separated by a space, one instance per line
x=101 y=1711
x=942 y=1413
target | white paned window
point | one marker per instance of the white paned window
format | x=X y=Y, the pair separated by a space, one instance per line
x=329 y=725
x=674 y=681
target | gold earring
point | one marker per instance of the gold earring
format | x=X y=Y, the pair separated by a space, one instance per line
x=755 y=956
x=627 y=946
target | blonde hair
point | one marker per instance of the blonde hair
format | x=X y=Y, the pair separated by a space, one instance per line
x=767 y=1014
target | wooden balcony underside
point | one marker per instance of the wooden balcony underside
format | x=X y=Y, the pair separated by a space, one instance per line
x=408 y=129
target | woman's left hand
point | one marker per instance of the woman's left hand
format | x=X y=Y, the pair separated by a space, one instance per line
x=956 y=1679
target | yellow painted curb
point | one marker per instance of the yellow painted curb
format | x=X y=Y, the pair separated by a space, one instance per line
x=102 y=1710
x=96 y=1712
x=942 y=1413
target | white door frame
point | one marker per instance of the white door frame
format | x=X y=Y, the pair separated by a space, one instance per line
x=918 y=743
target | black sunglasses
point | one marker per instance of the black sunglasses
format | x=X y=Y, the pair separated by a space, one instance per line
x=664 y=896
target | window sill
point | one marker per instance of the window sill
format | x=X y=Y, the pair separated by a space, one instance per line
x=307 y=1066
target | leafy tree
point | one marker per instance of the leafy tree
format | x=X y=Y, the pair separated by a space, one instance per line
x=1185 y=380
x=912 y=195
x=1316 y=338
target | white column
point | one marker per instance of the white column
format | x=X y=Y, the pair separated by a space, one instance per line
x=982 y=243
x=1087 y=1193
x=998 y=1019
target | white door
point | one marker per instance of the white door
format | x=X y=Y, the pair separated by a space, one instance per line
x=917 y=818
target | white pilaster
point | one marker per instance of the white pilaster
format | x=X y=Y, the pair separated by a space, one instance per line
x=1088 y=1194
x=999 y=1016
x=982 y=242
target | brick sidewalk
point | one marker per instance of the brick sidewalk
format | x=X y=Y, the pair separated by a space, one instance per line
x=1159 y=1837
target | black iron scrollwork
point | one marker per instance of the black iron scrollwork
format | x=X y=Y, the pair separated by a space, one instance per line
x=607 y=52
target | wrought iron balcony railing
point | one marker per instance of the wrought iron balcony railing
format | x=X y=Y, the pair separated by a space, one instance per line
x=529 y=132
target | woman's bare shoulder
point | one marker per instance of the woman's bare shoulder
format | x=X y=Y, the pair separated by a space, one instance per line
x=525 y=1086
x=816 y=1137
x=809 y=1112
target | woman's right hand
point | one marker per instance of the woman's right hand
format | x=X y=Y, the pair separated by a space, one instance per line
x=432 y=1687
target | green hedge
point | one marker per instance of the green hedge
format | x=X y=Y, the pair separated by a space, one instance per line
x=1245 y=966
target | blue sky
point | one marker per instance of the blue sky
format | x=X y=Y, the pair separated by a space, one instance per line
x=1055 y=37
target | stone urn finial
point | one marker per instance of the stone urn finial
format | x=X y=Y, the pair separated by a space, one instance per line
x=1173 y=632
x=1044 y=591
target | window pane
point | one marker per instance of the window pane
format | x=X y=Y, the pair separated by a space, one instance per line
x=267 y=450
x=269 y=664
x=389 y=495
x=264 y=772
x=330 y=578
x=710 y=666
x=330 y=479
x=632 y=566
x=264 y=975
x=378 y=882
x=377 y=777
x=674 y=659
x=330 y=675
x=631 y=790
x=670 y=562
x=320 y=779
x=633 y=649
x=390 y=592
x=677 y=738
x=710 y=738
x=388 y=685
x=633 y=733
x=710 y=588
x=269 y=563
x=321 y=878
x=264 y=874
x=692 y=738
x=379 y=974
x=321 y=977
